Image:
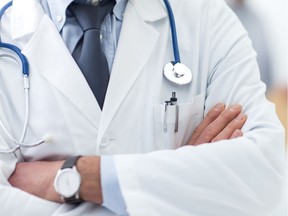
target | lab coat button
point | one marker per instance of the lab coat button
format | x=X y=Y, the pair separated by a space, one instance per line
x=105 y=141
x=59 y=18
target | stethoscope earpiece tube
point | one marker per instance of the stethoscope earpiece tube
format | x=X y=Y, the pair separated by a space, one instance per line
x=25 y=65
x=4 y=8
x=22 y=57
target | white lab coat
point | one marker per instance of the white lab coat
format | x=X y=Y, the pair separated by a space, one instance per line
x=236 y=177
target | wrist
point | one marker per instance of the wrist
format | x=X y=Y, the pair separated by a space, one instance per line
x=90 y=188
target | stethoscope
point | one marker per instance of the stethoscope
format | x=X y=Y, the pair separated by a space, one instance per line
x=174 y=71
x=25 y=72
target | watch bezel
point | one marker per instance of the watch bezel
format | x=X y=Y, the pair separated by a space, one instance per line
x=61 y=191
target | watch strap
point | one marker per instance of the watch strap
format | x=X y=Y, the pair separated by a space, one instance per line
x=72 y=200
x=70 y=162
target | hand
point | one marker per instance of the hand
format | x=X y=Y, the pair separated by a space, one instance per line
x=219 y=124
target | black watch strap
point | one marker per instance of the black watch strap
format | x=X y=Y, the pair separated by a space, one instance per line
x=70 y=162
x=72 y=200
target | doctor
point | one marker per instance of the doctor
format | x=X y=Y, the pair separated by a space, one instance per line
x=240 y=176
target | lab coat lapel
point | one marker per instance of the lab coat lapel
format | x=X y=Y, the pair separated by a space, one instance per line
x=59 y=68
x=136 y=43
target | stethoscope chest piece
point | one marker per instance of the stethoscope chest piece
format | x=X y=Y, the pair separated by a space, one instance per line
x=178 y=73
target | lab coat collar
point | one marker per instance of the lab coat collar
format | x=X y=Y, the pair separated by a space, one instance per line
x=24 y=22
x=150 y=10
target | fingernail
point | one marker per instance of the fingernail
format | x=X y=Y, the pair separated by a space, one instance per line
x=241 y=117
x=219 y=106
x=234 y=107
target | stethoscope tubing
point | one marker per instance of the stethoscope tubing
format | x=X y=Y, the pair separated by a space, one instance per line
x=22 y=57
x=4 y=8
x=173 y=32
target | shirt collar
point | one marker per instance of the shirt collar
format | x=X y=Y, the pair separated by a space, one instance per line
x=119 y=9
x=57 y=10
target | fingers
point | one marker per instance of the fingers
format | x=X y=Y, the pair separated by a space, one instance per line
x=219 y=124
x=232 y=130
x=210 y=117
x=237 y=133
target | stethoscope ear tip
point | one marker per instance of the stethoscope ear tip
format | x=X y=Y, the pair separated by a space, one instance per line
x=47 y=138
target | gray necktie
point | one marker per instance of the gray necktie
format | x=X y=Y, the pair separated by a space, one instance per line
x=88 y=52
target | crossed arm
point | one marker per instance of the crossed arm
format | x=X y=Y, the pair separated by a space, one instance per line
x=37 y=177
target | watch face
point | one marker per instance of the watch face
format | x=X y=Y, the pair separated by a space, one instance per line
x=68 y=182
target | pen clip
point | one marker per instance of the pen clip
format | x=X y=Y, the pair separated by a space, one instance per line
x=171 y=102
x=165 y=116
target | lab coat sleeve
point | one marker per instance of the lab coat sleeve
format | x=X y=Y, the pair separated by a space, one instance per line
x=243 y=176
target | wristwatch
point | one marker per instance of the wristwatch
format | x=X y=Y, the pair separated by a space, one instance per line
x=67 y=181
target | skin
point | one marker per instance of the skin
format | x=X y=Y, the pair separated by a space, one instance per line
x=37 y=177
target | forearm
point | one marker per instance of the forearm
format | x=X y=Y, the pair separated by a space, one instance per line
x=37 y=178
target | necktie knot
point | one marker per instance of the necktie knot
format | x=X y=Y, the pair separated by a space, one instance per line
x=89 y=16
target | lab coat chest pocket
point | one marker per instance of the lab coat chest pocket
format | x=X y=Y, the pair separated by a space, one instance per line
x=189 y=117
